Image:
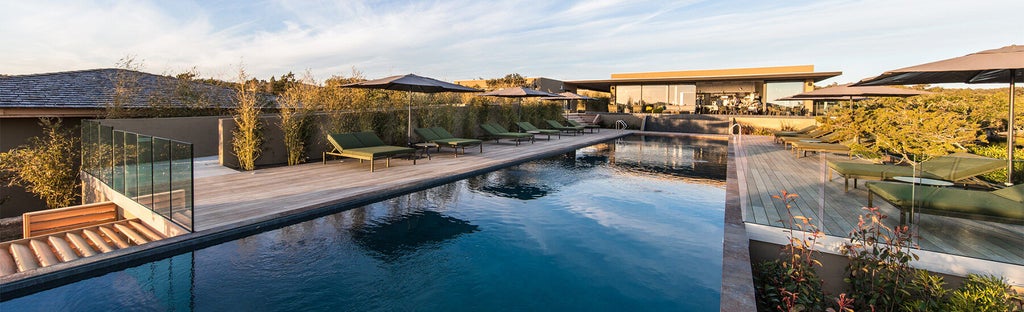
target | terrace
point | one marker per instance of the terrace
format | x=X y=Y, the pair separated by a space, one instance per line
x=947 y=245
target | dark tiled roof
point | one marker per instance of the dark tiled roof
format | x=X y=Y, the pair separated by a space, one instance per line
x=94 y=88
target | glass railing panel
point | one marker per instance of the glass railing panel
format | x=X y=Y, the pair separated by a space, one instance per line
x=155 y=172
x=131 y=165
x=117 y=179
x=105 y=150
x=181 y=183
x=145 y=165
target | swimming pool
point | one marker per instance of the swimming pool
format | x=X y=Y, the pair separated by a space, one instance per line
x=634 y=224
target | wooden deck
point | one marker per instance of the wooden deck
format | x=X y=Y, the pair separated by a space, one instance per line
x=234 y=200
x=765 y=168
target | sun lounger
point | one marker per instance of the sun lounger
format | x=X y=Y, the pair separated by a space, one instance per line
x=574 y=123
x=497 y=132
x=442 y=137
x=800 y=148
x=812 y=133
x=777 y=134
x=954 y=167
x=826 y=138
x=364 y=146
x=557 y=126
x=528 y=127
x=1004 y=205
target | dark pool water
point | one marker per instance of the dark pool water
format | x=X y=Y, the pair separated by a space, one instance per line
x=630 y=225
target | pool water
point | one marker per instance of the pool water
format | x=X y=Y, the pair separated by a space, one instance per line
x=634 y=224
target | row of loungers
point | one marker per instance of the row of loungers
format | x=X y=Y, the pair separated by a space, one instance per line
x=368 y=146
x=1004 y=205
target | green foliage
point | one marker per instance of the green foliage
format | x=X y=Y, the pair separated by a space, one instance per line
x=295 y=118
x=915 y=128
x=791 y=282
x=879 y=263
x=998 y=151
x=46 y=166
x=925 y=292
x=982 y=294
x=247 y=139
x=509 y=81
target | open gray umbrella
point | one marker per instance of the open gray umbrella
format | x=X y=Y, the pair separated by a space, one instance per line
x=1003 y=65
x=411 y=83
x=851 y=93
x=568 y=96
x=518 y=92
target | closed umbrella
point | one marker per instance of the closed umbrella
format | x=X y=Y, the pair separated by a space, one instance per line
x=411 y=83
x=1003 y=65
x=518 y=92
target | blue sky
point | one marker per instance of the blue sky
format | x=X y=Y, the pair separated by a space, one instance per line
x=466 y=39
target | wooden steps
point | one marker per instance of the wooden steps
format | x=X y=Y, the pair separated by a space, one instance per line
x=53 y=248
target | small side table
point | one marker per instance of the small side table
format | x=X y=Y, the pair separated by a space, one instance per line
x=923 y=181
x=425 y=148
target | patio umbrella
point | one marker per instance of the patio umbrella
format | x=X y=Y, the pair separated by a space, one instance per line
x=518 y=92
x=854 y=93
x=568 y=96
x=1002 y=65
x=411 y=83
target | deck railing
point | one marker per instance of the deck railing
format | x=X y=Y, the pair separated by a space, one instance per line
x=154 y=172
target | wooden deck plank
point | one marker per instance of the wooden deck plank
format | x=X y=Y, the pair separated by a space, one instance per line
x=239 y=197
x=769 y=168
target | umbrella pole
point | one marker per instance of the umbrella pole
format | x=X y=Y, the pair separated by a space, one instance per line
x=408 y=128
x=1009 y=132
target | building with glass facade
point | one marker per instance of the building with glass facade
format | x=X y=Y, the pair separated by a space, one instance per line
x=716 y=91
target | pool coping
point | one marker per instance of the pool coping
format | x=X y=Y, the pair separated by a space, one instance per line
x=737 y=276
x=21 y=284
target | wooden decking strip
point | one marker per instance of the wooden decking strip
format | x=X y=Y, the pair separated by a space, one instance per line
x=236 y=198
x=769 y=168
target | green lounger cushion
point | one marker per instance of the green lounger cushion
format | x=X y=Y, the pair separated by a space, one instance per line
x=952 y=167
x=801 y=131
x=450 y=139
x=997 y=205
x=527 y=126
x=344 y=140
x=427 y=134
x=378 y=151
x=369 y=139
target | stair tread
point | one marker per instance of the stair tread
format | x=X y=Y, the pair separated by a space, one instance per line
x=144 y=230
x=135 y=237
x=114 y=237
x=98 y=241
x=24 y=257
x=44 y=253
x=7 y=265
x=81 y=244
x=64 y=250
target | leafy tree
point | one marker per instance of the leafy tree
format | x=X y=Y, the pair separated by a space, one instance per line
x=509 y=81
x=46 y=166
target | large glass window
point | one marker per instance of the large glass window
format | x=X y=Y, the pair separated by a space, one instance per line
x=627 y=95
x=776 y=90
x=656 y=95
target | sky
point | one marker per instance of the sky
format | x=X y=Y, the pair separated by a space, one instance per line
x=469 y=39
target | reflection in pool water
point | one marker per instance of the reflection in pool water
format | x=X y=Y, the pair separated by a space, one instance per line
x=596 y=229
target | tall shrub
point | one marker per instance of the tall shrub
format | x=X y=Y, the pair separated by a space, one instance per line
x=791 y=282
x=293 y=108
x=879 y=263
x=46 y=166
x=247 y=139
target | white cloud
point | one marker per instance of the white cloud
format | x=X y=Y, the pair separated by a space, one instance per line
x=469 y=39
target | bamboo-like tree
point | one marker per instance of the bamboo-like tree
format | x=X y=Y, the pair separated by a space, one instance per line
x=293 y=110
x=247 y=142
